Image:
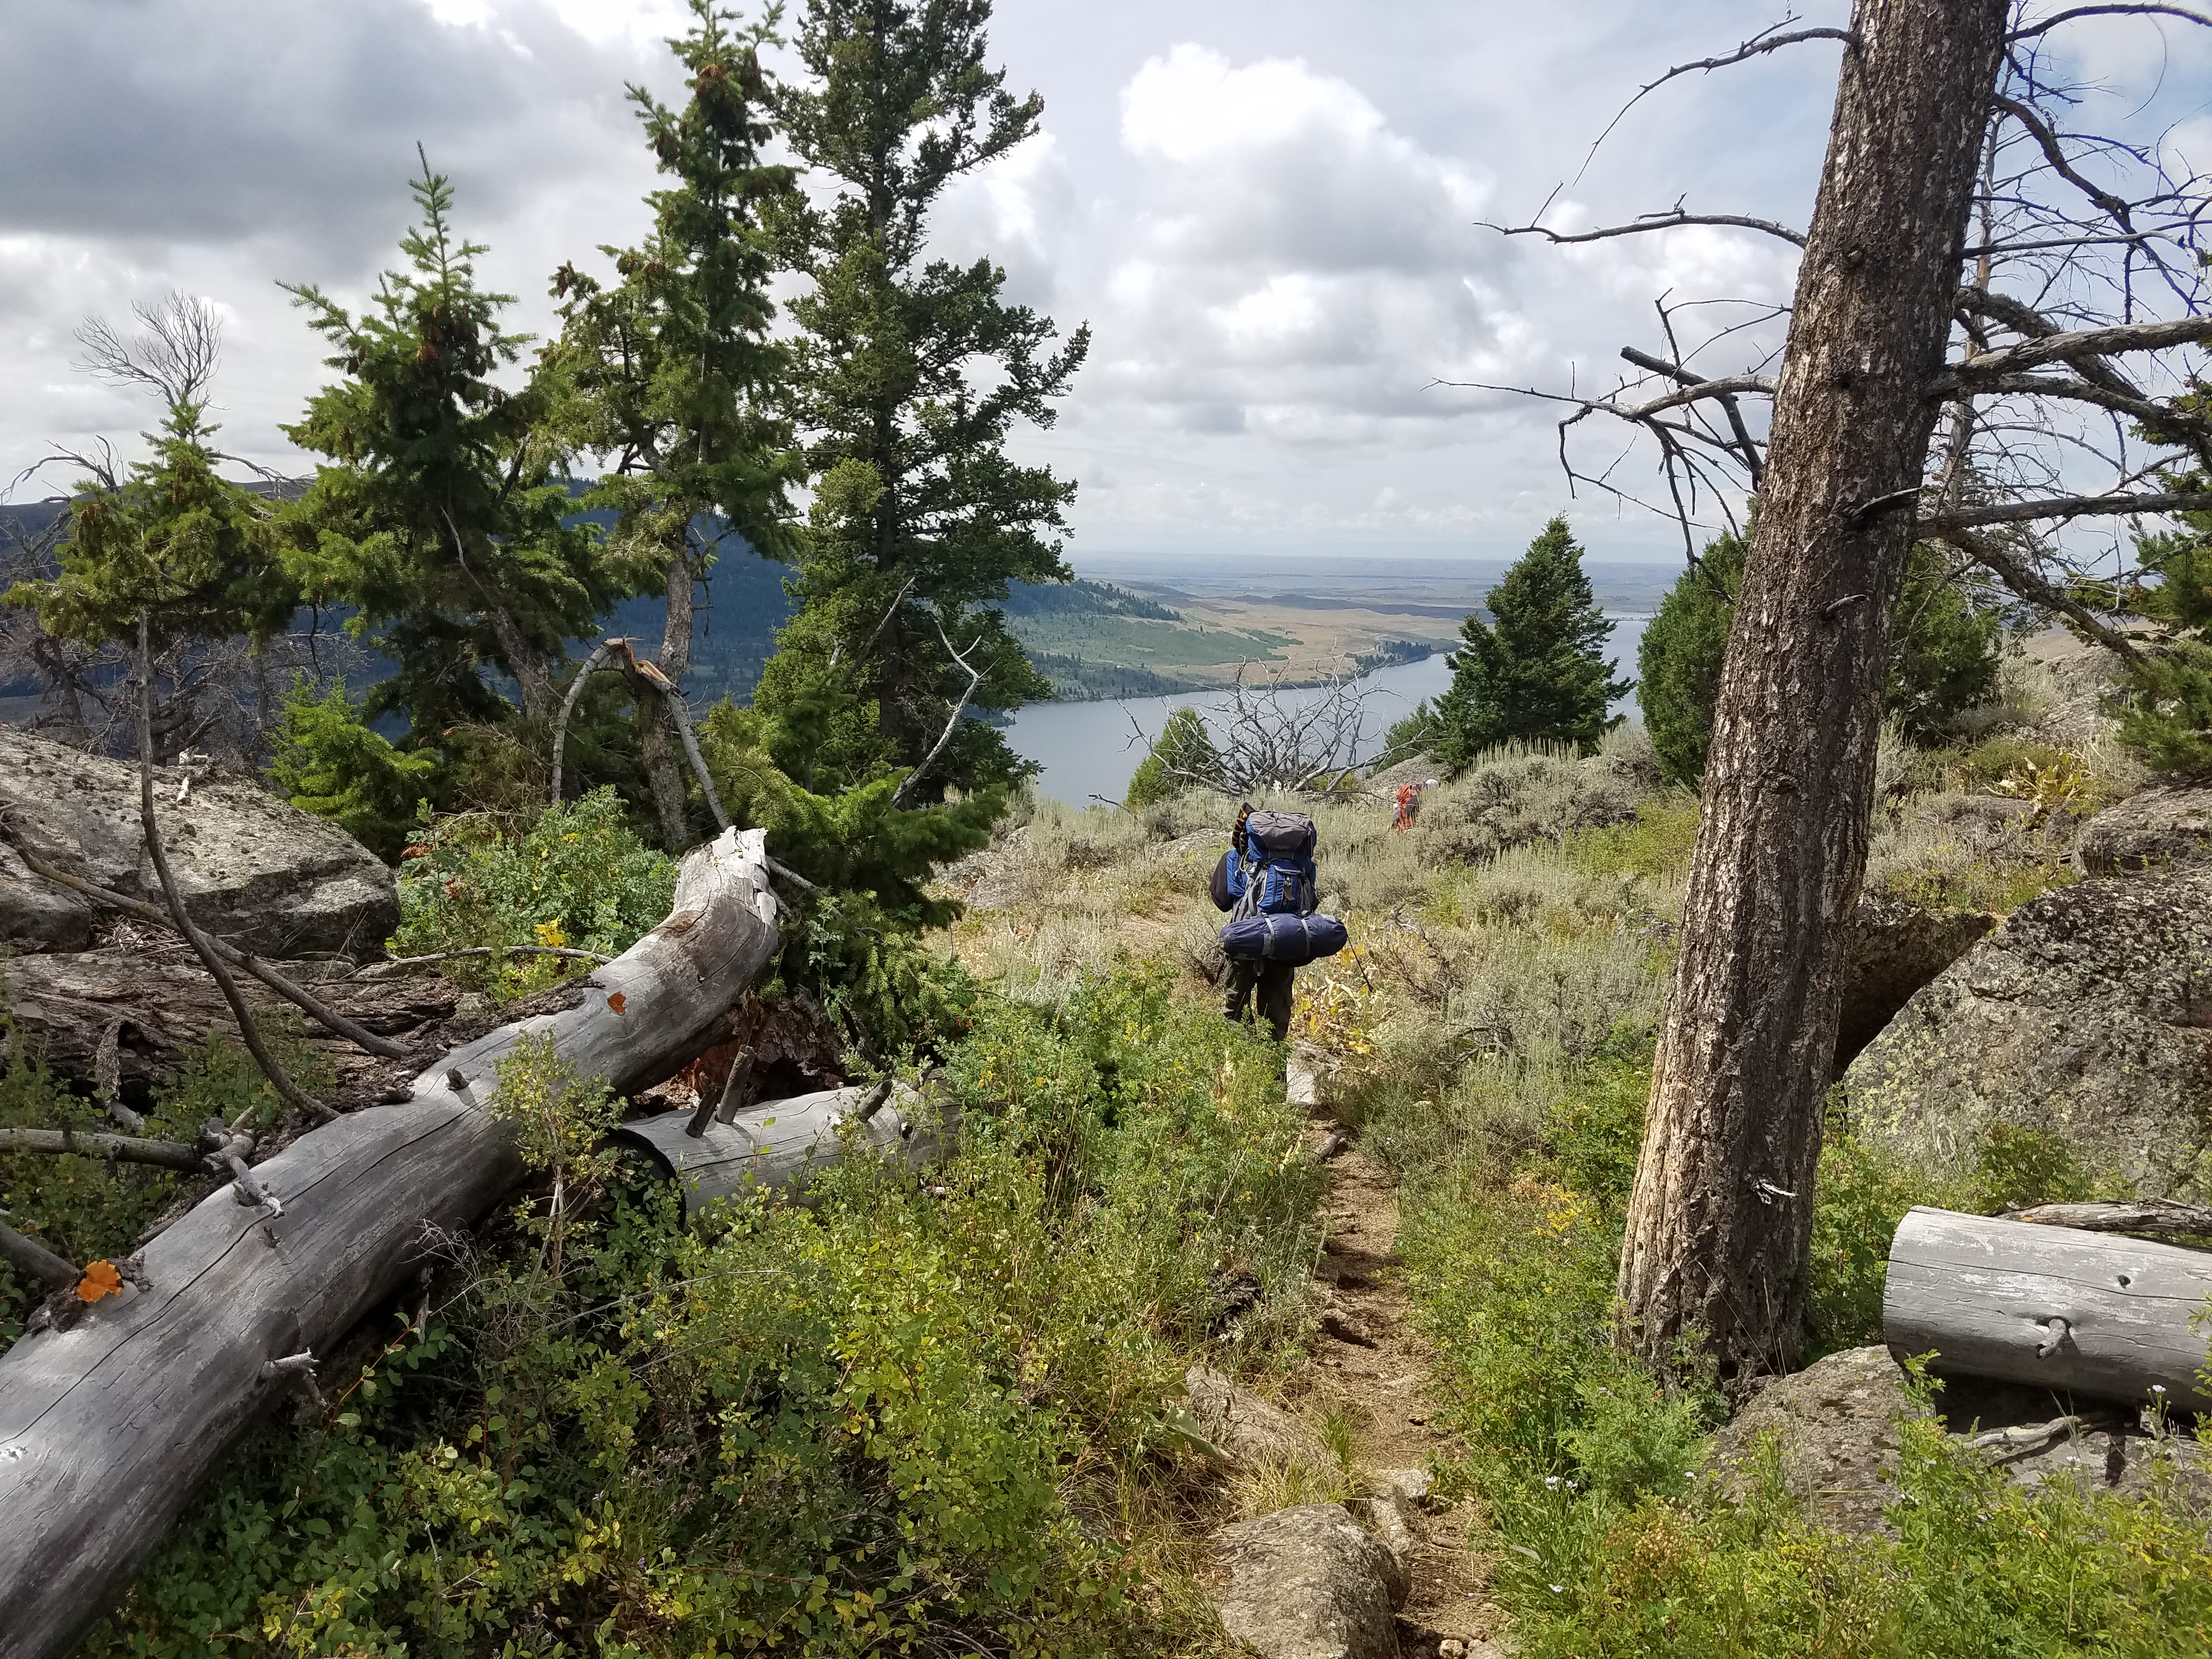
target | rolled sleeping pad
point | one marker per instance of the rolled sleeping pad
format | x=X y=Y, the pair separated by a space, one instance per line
x=1293 y=940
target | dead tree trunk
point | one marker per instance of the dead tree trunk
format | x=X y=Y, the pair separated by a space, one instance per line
x=2077 y=1313
x=107 y=1428
x=656 y=723
x=1720 y=1218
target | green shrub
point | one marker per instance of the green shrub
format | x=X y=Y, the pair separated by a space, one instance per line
x=914 y=1419
x=328 y=760
x=1859 y=1195
x=1979 y=1567
x=1183 y=751
x=577 y=876
x=1944 y=654
x=2017 y=1168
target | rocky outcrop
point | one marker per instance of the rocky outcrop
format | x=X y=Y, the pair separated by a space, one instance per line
x=1250 y=1430
x=1894 y=948
x=2164 y=826
x=1835 y=1427
x=255 y=871
x=1307 y=1583
x=2087 y=1015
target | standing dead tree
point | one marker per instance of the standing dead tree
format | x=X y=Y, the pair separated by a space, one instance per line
x=1269 y=739
x=1956 y=204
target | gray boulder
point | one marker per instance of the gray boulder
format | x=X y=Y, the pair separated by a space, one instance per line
x=1250 y=1429
x=1835 y=1426
x=255 y=869
x=1894 y=948
x=2162 y=828
x=1307 y=1583
x=2087 y=1015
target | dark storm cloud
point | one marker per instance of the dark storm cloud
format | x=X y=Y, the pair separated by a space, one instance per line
x=208 y=121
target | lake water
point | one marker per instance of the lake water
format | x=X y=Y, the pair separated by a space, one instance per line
x=1090 y=750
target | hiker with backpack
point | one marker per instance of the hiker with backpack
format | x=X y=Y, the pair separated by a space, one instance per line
x=1267 y=882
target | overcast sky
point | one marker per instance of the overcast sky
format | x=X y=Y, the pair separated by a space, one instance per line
x=1268 y=212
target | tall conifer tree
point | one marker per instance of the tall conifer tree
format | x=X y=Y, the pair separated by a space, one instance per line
x=676 y=373
x=439 y=517
x=1537 y=671
x=909 y=376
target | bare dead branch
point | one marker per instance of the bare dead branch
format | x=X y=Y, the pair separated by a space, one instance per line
x=35 y=1259
x=305 y=1002
x=1668 y=219
x=2030 y=586
x=175 y=358
x=2033 y=30
x=2111 y=341
x=953 y=721
x=1757 y=46
x=2148 y=1215
x=568 y=707
x=386 y=969
x=123 y=1149
x=1752 y=460
x=2125 y=504
x=158 y=854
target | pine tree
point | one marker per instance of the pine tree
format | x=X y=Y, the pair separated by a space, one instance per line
x=675 y=372
x=440 y=519
x=170 y=539
x=1942 y=654
x=1537 y=671
x=910 y=374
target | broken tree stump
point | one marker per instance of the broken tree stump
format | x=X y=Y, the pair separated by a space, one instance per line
x=107 y=1429
x=2094 y=1315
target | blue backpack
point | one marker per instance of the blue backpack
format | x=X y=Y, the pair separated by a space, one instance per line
x=1272 y=886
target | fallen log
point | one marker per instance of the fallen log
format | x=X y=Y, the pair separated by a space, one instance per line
x=779 y=1145
x=2146 y=1215
x=2096 y=1315
x=66 y=1008
x=107 y=1428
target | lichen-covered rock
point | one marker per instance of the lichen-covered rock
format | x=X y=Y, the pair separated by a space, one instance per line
x=2160 y=828
x=1894 y=948
x=1248 y=1428
x=255 y=869
x=37 y=915
x=1306 y=1583
x=2087 y=1015
x=1835 y=1423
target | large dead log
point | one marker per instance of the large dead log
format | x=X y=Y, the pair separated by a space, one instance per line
x=780 y=1145
x=107 y=1428
x=2077 y=1313
x=62 y=1007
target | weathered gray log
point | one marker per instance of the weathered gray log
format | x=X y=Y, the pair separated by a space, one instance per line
x=124 y=1149
x=2089 y=1315
x=64 y=1008
x=779 y=1144
x=107 y=1428
x=2148 y=1215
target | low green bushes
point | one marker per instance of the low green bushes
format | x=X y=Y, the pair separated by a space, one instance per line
x=921 y=1417
x=574 y=875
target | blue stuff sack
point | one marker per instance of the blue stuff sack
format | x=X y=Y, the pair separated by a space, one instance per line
x=1293 y=940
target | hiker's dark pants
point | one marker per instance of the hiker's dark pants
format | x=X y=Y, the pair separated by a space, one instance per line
x=1271 y=979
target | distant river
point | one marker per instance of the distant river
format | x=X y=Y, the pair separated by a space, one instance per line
x=1092 y=749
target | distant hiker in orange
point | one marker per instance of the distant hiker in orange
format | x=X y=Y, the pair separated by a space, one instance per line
x=1409 y=804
